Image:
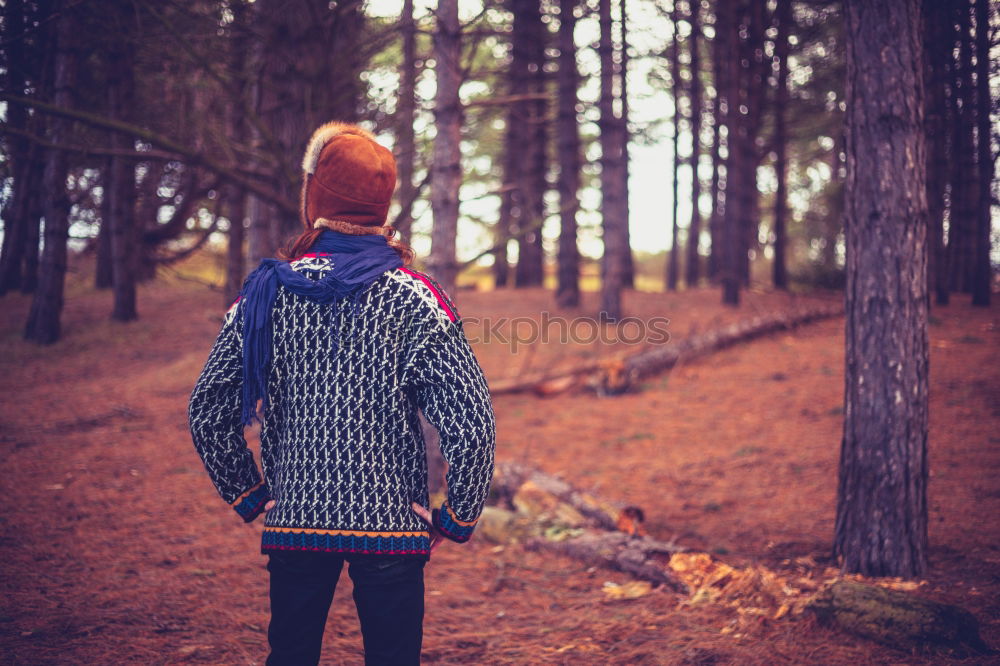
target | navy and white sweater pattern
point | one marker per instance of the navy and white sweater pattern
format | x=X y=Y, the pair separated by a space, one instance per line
x=342 y=452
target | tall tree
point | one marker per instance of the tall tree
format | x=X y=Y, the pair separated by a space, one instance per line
x=612 y=262
x=21 y=64
x=530 y=37
x=44 y=319
x=964 y=188
x=406 y=148
x=752 y=89
x=715 y=218
x=781 y=48
x=624 y=134
x=673 y=266
x=937 y=54
x=446 y=174
x=103 y=270
x=728 y=31
x=881 y=524
x=693 y=268
x=121 y=190
x=234 y=197
x=568 y=133
x=982 y=275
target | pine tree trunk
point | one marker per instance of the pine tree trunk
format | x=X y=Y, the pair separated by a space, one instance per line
x=234 y=198
x=732 y=242
x=612 y=263
x=628 y=268
x=982 y=275
x=568 y=288
x=781 y=47
x=446 y=174
x=43 y=324
x=530 y=60
x=673 y=259
x=236 y=271
x=881 y=524
x=752 y=92
x=406 y=149
x=936 y=56
x=103 y=271
x=693 y=272
x=964 y=187
x=715 y=220
x=121 y=87
x=15 y=213
x=260 y=215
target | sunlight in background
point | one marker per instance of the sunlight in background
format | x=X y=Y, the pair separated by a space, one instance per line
x=650 y=196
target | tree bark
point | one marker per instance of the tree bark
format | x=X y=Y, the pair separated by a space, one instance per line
x=982 y=275
x=715 y=220
x=406 y=149
x=612 y=262
x=529 y=60
x=446 y=175
x=964 y=190
x=44 y=318
x=568 y=287
x=727 y=29
x=236 y=201
x=628 y=268
x=122 y=191
x=23 y=69
x=752 y=88
x=881 y=523
x=14 y=213
x=693 y=268
x=781 y=48
x=103 y=271
x=234 y=197
x=936 y=57
x=673 y=267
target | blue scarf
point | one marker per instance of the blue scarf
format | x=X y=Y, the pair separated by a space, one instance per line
x=357 y=262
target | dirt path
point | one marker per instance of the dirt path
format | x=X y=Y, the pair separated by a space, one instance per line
x=116 y=548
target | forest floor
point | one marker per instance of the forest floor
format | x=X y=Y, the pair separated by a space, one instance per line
x=117 y=549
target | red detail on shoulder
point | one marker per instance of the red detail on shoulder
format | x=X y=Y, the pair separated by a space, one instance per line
x=437 y=294
x=234 y=303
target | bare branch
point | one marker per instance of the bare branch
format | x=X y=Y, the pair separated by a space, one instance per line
x=192 y=157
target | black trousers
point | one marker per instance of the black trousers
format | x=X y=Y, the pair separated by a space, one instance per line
x=388 y=594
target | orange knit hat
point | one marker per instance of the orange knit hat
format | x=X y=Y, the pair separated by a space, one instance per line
x=349 y=177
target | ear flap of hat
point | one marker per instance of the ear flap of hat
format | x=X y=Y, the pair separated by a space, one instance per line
x=323 y=136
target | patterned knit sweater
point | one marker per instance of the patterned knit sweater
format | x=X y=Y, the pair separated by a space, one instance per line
x=342 y=451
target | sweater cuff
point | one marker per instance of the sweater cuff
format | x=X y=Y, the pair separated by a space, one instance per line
x=250 y=503
x=449 y=525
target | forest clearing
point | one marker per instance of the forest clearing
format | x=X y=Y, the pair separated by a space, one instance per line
x=118 y=549
x=577 y=331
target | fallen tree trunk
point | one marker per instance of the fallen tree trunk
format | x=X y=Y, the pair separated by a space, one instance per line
x=530 y=491
x=656 y=360
x=548 y=514
x=642 y=557
x=617 y=375
x=898 y=619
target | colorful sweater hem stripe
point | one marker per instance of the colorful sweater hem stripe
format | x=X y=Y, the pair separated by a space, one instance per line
x=346 y=541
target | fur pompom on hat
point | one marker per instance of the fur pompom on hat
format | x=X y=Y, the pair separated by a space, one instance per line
x=349 y=177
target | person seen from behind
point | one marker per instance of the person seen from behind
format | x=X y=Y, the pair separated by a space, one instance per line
x=342 y=343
